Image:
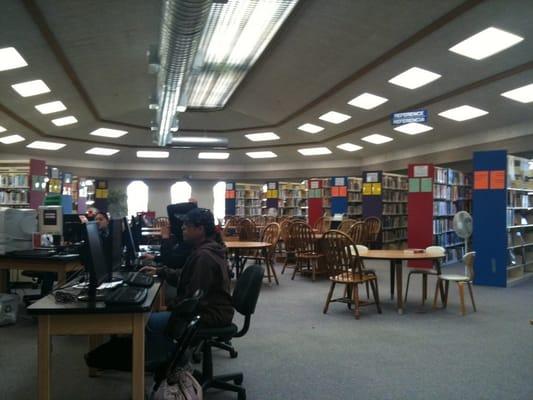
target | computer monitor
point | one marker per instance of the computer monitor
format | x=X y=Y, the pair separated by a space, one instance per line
x=17 y=227
x=117 y=246
x=51 y=219
x=132 y=247
x=176 y=213
x=96 y=261
x=72 y=228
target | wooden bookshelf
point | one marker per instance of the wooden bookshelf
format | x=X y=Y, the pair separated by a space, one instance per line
x=248 y=198
x=355 y=200
x=292 y=200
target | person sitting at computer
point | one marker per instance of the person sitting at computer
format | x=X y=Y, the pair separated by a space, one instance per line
x=102 y=220
x=205 y=270
x=171 y=254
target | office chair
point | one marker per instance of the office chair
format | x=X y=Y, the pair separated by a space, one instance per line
x=245 y=296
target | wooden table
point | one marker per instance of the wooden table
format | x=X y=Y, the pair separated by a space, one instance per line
x=94 y=320
x=61 y=264
x=238 y=245
x=396 y=258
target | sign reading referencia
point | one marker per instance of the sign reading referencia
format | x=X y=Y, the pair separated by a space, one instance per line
x=409 y=117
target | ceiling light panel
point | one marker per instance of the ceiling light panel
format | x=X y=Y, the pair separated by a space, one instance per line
x=102 y=151
x=213 y=156
x=486 y=43
x=310 y=128
x=11 y=139
x=42 y=145
x=376 y=138
x=261 y=154
x=522 y=94
x=152 y=154
x=2 y=129
x=349 y=147
x=31 y=88
x=235 y=35
x=413 y=128
x=334 y=117
x=10 y=58
x=51 y=107
x=108 y=132
x=367 y=101
x=463 y=113
x=68 y=120
x=414 y=78
x=314 y=151
x=262 y=137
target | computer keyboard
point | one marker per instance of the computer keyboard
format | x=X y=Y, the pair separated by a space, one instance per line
x=137 y=279
x=126 y=295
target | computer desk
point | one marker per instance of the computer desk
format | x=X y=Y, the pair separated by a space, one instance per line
x=61 y=264
x=93 y=320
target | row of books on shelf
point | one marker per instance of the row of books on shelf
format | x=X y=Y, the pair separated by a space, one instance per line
x=394 y=195
x=442 y=225
x=447 y=239
x=355 y=210
x=354 y=184
x=399 y=221
x=452 y=193
x=394 y=208
x=14 y=180
x=454 y=254
x=443 y=207
x=518 y=199
x=395 y=182
x=519 y=238
x=247 y=203
x=515 y=218
x=519 y=256
x=452 y=177
x=394 y=234
x=292 y=202
x=292 y=212
x=14 y=197
x=354 y=196
x=245 y=212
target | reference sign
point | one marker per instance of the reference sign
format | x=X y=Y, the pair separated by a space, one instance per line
x=409 y=117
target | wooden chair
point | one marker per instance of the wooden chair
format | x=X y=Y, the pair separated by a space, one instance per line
x=305 y=248
x=288 y=244
x=322 y=225
x=231 y=228
x=372 y=230
x=346 y=225
x=270 y=235
x=425 y=272
x=247 y=230
x=357 y=232
x=347 y=269
x=460 y=280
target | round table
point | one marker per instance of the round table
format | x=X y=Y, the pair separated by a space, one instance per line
x=238 y=245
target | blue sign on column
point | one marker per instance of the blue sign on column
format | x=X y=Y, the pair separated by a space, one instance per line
x=409 y=117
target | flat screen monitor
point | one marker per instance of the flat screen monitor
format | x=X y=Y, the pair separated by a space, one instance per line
x=175 y=216
x=51 y=219
x=116 y=245
x=96 y=260
x=72 y=228
x=132 y=247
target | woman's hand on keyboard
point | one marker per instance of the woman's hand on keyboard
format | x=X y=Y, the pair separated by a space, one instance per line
x=148 y=256
x=149 y=270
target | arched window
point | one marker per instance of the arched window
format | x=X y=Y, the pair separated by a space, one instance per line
x=137 y=192
x=219 y=201
x=180 y=192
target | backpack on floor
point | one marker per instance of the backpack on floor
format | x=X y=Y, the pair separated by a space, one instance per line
x=180 y=385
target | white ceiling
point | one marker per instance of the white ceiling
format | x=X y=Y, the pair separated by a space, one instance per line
x=92 y=54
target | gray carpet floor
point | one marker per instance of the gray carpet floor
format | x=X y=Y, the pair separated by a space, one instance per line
x=293 y=351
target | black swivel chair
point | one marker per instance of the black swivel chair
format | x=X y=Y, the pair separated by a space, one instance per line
x=245 y=296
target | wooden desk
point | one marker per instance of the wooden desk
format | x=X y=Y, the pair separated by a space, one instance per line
x=93 y=320
x=59 y=264
x=396 y=258
x=237 y=245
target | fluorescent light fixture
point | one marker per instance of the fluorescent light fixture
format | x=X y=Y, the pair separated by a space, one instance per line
x=108 y=132
x=152 y=154
x=235 y=35
x=42 y=145
x=200 y=141
x=486 y=43
x=463 y=113
x=181 y=108
x=68 y=120
x=314 y=151
x=262 y=137
x=102 y=151
x=349 y=147
x=11 y=139
x=10 y=58
x=522 y=94
x=367 y=101
x=31 y=88
x=2 y=129
x=414 y=78
x=376 y=138
x=413 y=128
x=334 y=117
x=52 y=107
x=310 y=128
x=213 y=156
x=261 y=154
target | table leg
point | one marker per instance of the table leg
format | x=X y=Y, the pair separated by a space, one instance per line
x=4 y=274
x=399 y=294
x=392 y=268
x=43 y=357
x=61 y=278
x=94 y=342
x=137 y=373
x=162 y=304
x=237 y=263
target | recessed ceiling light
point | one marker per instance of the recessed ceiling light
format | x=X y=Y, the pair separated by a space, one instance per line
x=414 y=78
x=102 y=151
x=310 y=128
x=42 y=145
x=522 y=94
x=261 y=154
x=2 y=129
x=31 y=88
x=349 y=147
x=334 y=117
x=10 y=58
x=108 y=132
x=261 y=137
x=181 y=108
x=486 y=43
x=413 y=128
x=376 y=138
x=213 y=156
x=314 y=151
x=463 y=113
x=152 y=154
x=69 y=120
x=367 y=101
x=11 y=139
x=52 y=107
